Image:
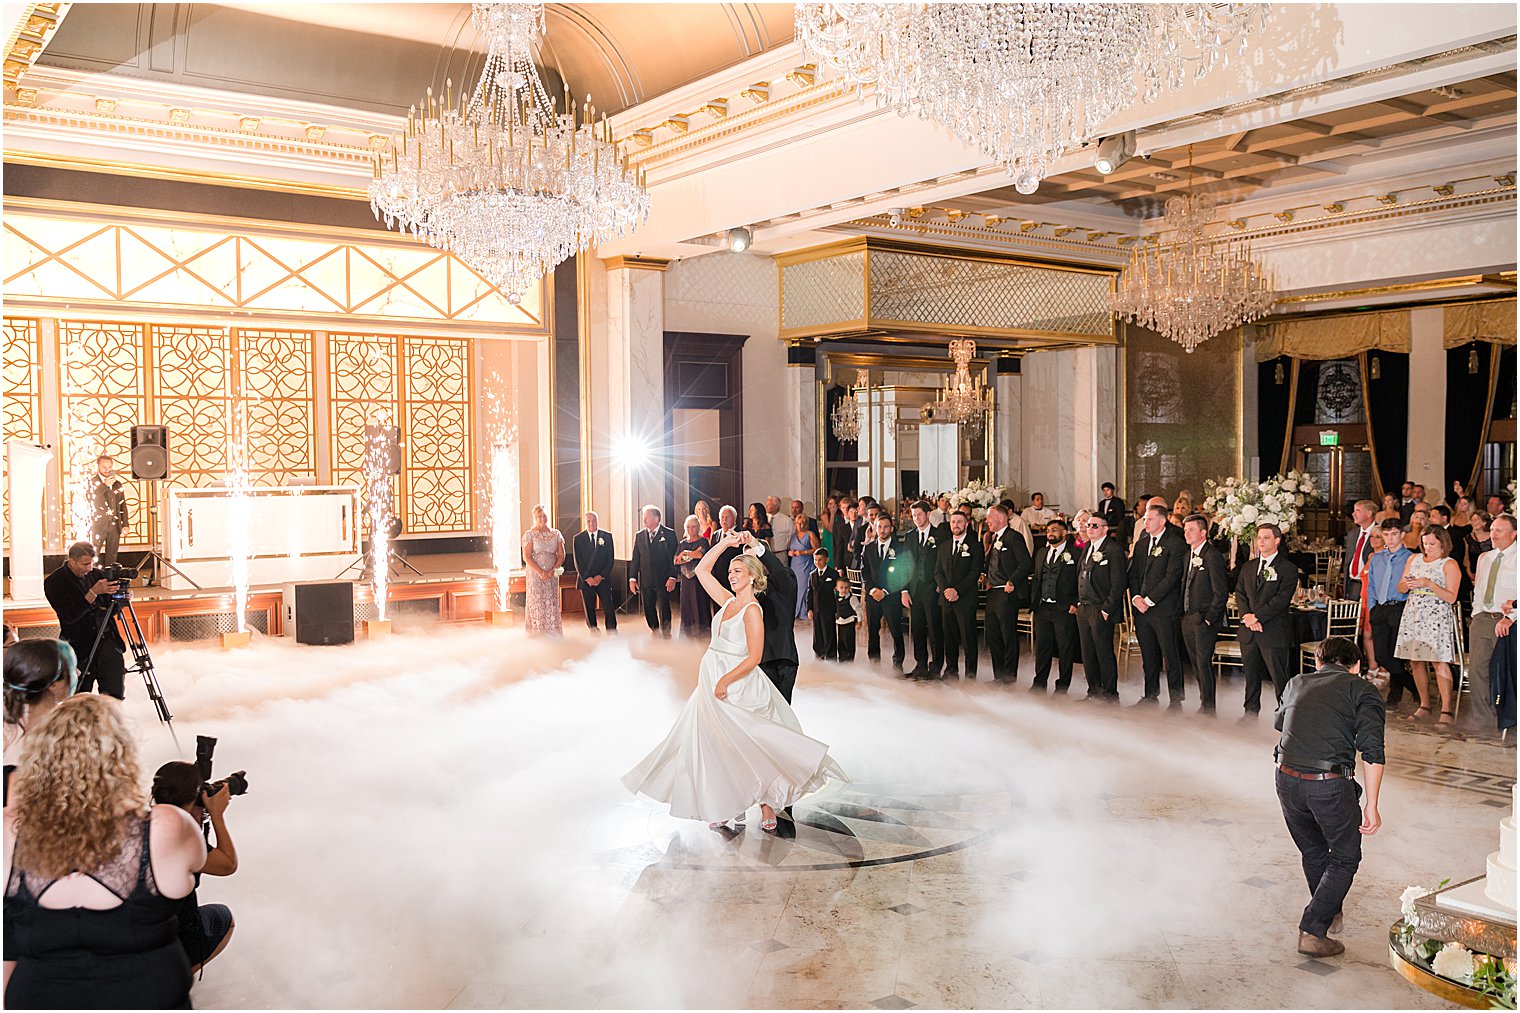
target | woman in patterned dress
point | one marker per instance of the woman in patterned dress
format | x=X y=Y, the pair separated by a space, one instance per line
x=1428 y=631
x=543 y=550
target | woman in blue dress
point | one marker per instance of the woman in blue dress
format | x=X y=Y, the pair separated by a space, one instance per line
x=801 y=548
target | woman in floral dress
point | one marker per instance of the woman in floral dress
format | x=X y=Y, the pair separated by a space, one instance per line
x=1428 y=631
x=543 y=550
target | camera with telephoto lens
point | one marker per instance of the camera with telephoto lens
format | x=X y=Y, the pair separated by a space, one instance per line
x=236 y=782
x=122 y=577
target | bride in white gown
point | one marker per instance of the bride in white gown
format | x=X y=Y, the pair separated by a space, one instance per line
x=737 y=742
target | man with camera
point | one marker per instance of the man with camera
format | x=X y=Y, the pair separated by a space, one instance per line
x=204 y=929
x=80 y=593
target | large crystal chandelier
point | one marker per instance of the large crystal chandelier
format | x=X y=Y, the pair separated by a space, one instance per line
x=506 y=178
x=1022 y=82
x=845 y=417
x=963 y=400
x=1193 y=287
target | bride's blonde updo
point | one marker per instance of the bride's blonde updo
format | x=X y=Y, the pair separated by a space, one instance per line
x=758 y=578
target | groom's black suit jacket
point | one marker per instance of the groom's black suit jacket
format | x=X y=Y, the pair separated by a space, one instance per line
x=778 y=604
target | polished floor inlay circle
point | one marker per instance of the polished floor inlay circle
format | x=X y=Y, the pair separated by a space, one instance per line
x=859 y=825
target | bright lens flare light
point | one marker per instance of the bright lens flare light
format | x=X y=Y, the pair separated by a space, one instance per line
x=632 y=451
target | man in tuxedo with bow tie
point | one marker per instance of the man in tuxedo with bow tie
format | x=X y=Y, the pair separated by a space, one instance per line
x=1008 y=566
x=1155 y=588
x=1361 y=542
x=1055 y=606
x=957 y=576
x=924 y=614
x=653 y=570
x=1100 y=599
x=1265 y=594
x=1205 y=590
x=593 y=553
x=885 y=572
x=1113 y=509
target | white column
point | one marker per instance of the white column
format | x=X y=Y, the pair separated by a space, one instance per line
x=1106 y=427
x=1427 y=399
x=632 y=357
x=1007 y=442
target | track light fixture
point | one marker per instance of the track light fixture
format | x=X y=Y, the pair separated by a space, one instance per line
x=1114 y=151
x=739 y=239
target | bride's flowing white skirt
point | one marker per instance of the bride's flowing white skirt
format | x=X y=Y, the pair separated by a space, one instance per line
x=724 y=756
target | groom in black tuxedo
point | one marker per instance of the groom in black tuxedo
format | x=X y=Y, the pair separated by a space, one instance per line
x=593 y=553
x=652 y=571
x=1264 y=595
x=778 y=604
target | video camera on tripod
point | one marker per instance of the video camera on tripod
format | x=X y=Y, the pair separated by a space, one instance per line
x=118 y=606
x=122 y=577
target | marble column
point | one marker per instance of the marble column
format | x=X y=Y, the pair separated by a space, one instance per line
x=1008 y=424
x=805 y=462
x=631 y=355
x=1427 y=399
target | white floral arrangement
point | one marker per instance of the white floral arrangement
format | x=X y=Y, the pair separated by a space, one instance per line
x=978 y=496
x=1488 y=975
x=1241 y=507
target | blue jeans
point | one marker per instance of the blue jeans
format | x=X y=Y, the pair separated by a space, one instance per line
x=1324 y=819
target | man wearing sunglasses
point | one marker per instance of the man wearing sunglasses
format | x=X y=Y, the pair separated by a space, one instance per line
x=1100 y=597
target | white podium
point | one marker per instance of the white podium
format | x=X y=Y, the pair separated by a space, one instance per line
x=295 y=533
x=26 y=472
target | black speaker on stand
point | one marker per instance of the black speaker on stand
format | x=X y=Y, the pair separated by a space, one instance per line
x=150 y=463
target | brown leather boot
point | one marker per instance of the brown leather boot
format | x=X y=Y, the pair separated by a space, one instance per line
x=1318 y=946
x=1337 y=923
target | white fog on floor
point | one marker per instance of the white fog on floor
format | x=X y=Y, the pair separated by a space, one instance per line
x=444 y=807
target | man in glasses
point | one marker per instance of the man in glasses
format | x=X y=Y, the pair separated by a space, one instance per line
x=1100 y=597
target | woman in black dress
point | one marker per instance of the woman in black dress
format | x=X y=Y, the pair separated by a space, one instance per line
x=114 y=874
x=758 y=523
x=696 y=606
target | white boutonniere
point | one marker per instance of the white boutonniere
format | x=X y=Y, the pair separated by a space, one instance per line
x=599 y=539
x=1268 y=573
x=1103 y=561
x=1156 y=551
x=930 y=543
x=1066 y=558
x=891 y=553
x=1197 y=560
x=965 y=550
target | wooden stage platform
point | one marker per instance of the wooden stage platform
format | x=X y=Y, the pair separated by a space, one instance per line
x=445 y=593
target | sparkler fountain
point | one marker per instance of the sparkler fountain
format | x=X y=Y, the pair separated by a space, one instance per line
x=504 y=495
x=240 y=483
x=377 y=490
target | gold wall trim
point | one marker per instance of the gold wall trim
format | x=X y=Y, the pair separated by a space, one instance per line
x=636 y=263
x=877 y=244
x=1401 y=289
x=29 y=37
x=181 y=175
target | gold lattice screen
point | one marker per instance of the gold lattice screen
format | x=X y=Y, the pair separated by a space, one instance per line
x=23 y=393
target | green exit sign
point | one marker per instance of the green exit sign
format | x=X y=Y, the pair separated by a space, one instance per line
x=1329 y=439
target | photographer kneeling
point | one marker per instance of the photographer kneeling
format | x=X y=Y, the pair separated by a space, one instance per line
x=204 y=929
x=79 y=593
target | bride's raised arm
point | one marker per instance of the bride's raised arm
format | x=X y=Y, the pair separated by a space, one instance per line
x=710 y=583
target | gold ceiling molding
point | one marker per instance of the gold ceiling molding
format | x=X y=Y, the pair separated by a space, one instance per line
x=29 y=37
x=634 y=263
x=687 y=135
x=1404 y=288
x=180 y=175
x=1492 y=321
x=1334 y=337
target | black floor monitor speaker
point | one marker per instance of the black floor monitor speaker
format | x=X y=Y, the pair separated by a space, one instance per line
x=150 y=452
x=320 y=612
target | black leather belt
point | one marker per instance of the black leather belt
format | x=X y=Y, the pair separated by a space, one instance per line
x=1326 y=775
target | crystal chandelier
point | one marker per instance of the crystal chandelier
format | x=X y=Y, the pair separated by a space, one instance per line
x=508 y=179
x=1022 y=82
x=963 y=400
x=1194 y=287
x=847 y=410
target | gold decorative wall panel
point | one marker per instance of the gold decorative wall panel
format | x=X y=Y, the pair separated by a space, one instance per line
x=1182 y=421
x=192 y=378
x=362 y=390
x=437 y=426
x=277 y=370
x=119 y=259
x=868 y=286
x=104 y=393
x=22 y=395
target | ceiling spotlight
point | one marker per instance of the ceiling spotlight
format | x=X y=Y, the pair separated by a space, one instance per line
x=1027 y=184
x=895 y=216
x=740 y=239
x=1114 y=151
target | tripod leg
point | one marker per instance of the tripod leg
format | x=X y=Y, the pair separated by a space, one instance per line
x=160 y=561
x=143 y=662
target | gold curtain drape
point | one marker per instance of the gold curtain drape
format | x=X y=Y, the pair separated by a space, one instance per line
x=1338 y=337
x=1480 y=321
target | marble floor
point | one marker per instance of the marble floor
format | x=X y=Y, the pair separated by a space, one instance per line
x=436 y=821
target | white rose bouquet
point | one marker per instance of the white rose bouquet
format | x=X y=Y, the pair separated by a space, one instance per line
x=1240 y=507
x=977 y=497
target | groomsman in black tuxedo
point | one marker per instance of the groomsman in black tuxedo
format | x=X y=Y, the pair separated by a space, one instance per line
x=842 y=532
x=957 y=576
x=886 y=570
x=1111 y=507
x=1264 y=594
x=1008 y=566
x=1100 y=599
x=1205 y=589
x=924 y=615
x=1155 y=588
x=1055 y=606
x=593 y=554
x=653 y=570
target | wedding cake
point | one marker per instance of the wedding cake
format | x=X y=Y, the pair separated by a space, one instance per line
x=1500 y=885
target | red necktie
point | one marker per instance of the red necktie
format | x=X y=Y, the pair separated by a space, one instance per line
x=1356 y=560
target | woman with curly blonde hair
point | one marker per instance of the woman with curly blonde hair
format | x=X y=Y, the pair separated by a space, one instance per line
x=93 y=881
x=1182 y=508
